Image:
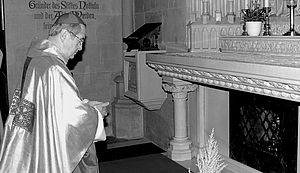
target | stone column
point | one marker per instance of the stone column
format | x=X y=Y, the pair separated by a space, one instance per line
x=205 y=14
x=198 y=7
x=180 y=145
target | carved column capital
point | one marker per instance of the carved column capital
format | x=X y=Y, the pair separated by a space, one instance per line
x=179 y=91
x=179 y=88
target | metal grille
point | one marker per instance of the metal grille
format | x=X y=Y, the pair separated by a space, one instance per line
x=263 y=132
x=261 y=128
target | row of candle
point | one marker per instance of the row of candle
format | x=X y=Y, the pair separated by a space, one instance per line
x=266 y=4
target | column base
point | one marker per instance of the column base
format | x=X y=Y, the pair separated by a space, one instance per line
x=180 y=150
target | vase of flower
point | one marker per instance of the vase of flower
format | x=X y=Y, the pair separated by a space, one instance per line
x=253 y=18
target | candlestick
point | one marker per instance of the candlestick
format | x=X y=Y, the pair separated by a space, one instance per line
x=292 y=4
x=244 y=12
x=267 y=27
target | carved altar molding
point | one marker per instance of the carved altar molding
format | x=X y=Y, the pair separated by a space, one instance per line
x=253 y=85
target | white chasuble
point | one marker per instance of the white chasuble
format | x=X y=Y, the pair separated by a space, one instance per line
x=49 y=129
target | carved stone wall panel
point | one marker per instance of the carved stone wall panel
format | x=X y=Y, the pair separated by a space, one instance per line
x=206 y=37
x=272 y=45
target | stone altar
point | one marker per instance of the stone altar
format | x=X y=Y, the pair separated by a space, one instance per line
x=274 y=75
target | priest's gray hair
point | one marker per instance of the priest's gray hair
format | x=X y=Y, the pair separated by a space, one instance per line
x=69 y=21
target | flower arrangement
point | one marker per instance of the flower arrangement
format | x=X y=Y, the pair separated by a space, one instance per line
x=253 y=13
x=208 y=159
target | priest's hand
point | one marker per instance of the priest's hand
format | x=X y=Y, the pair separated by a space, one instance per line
x=100 y=106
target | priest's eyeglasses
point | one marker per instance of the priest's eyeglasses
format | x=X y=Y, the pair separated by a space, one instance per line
x=81 y=40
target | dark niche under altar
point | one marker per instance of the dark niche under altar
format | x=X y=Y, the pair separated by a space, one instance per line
x=263 y=132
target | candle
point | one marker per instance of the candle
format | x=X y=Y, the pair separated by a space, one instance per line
x=246 y=4
x=266 y=3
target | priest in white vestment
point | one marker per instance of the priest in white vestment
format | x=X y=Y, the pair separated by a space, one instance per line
x=50 y=127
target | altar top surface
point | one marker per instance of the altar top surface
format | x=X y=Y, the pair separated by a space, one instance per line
x=256 y=58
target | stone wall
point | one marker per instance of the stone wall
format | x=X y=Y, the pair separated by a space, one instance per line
x=172 y=14
x=102 y=57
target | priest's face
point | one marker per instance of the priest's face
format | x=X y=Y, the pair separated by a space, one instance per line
x=75 y=43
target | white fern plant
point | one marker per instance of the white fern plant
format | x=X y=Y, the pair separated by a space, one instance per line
x=208 y=159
